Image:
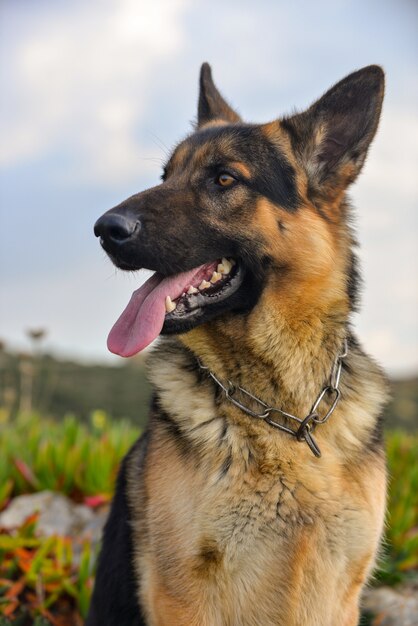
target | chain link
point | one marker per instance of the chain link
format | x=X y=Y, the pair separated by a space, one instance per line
x=305 y=426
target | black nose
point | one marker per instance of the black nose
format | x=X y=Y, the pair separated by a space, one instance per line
x=115 y=227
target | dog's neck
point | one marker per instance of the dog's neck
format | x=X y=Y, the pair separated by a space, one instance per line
x=286 y=355
x=282 y=354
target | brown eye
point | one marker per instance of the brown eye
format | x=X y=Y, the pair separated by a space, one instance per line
x=225 y=180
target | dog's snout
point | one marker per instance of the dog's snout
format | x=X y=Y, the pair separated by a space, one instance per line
x=115 y=227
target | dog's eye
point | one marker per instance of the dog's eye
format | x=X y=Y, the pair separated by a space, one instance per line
x=225 y=180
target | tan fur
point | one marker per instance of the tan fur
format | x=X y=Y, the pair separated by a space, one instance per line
x=294 y=531
x=242 y=168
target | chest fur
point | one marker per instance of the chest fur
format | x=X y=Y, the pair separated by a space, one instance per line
x=236 y=523
x=231 y=540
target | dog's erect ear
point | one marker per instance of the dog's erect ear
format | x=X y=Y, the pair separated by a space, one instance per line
x=332 y=137
x=212 y=106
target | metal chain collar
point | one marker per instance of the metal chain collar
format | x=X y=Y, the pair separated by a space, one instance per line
x=306 y=425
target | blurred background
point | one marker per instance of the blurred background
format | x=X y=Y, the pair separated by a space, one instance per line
x=92 y=97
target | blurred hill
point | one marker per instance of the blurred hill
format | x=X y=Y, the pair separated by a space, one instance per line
x=402 y=412
x=56 y=387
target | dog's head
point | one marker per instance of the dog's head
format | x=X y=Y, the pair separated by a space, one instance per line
x=243 y=206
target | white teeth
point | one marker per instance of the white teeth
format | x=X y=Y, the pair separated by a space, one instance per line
x=192 y=289
x=215 y=277
x=169 y=305
x=226 y=266
x=204 y=285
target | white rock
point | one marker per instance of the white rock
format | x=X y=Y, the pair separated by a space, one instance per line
x=392 y=607
x=58 y=514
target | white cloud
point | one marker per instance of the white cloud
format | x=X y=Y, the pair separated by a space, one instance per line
x=82 y=81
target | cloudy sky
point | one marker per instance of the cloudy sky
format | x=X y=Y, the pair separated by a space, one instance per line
x=93 y=94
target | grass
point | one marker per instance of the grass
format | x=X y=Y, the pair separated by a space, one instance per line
x=400 y=559
x=70 y=457
x=44 y=579
x=47 y=581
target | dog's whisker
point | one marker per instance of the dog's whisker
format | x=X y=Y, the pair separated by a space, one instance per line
x=159 y=143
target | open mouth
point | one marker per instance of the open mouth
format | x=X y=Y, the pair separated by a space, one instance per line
x=213 y=283
x=173 y=302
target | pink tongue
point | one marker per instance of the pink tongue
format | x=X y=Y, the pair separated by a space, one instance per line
x=143 y=319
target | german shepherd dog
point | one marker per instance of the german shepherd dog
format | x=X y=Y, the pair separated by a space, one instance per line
x=256 y=496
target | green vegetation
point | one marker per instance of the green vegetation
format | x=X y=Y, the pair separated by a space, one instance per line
x=400 y=559
x=76 y=459
x=48 y=578
x=44 y=580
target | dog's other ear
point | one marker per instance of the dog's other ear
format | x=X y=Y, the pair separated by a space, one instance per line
x=212 y=106
x=332 y=137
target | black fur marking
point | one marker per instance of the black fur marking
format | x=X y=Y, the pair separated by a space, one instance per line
x=224 y=431
x=280 y=187
x=322 y=213
x=210 y=555
x=114 y=601
x=170 y=425
x=376 y=441
x=203 y=424
x=226 y=465
x=154 y=404
x=353 y=282
x=273 y=176
x=211 y=104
